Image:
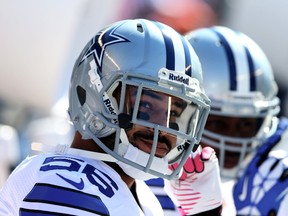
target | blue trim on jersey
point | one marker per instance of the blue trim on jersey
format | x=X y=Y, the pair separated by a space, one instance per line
x=29 y=212
x=231 y=60
x=159 y=182
x=251 y=70
x=166 y=202
x=170 y=52
x=52 y=194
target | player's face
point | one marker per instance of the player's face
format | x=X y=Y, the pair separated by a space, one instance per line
x=232 y=127
x=156 y=108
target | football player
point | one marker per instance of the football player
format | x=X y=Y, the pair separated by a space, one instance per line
x=137 y=104
x=243 y=128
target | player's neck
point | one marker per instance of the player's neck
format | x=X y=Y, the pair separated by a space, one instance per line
x=130 y=182
x=127 y=179
x=89 y=145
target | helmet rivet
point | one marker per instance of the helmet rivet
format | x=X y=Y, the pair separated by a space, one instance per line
x=98 y=124
x=76 y=119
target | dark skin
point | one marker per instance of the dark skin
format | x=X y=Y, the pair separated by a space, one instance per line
x=233 y=127
x=152 y=103
x=142 y=142
x=155 y=107
x=89 y=145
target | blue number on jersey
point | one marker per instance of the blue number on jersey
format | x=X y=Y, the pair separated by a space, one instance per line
x=105 y=185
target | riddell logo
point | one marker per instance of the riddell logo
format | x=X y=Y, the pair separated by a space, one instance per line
x=109 y=107
x=179 y=78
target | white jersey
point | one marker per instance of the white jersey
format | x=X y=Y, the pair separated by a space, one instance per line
x=54 y=184
x=228 y=208
x=168 y=205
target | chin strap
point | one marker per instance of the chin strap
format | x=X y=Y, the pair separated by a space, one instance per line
x=65 y=149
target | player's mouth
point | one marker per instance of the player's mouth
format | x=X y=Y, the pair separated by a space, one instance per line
x=162 y=149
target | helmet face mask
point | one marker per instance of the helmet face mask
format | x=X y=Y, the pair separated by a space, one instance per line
x=233 y=139
x=141 y=82
x=152 y=115
x=239 y=81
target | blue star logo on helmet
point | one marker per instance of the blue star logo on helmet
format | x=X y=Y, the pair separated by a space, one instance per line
x=100 y=42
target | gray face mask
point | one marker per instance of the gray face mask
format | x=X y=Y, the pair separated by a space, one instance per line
x=131 y=153
x=136 y=155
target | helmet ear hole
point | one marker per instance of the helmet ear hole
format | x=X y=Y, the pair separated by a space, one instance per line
x=81 y=93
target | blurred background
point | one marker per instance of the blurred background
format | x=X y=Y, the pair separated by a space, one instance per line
x=40 y=40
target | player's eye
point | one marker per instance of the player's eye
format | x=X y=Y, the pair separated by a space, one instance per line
x=174 y=113
x=145 y=105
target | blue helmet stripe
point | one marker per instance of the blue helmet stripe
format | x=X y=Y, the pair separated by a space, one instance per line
x=251 y=70
x=170 y=52
x=188 y=62
x=231 y=60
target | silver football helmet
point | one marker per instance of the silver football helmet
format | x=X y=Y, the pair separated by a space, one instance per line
x=139 y=81
x=239 y=81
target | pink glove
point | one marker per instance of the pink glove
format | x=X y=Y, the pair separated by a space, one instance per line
x=198 y=188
